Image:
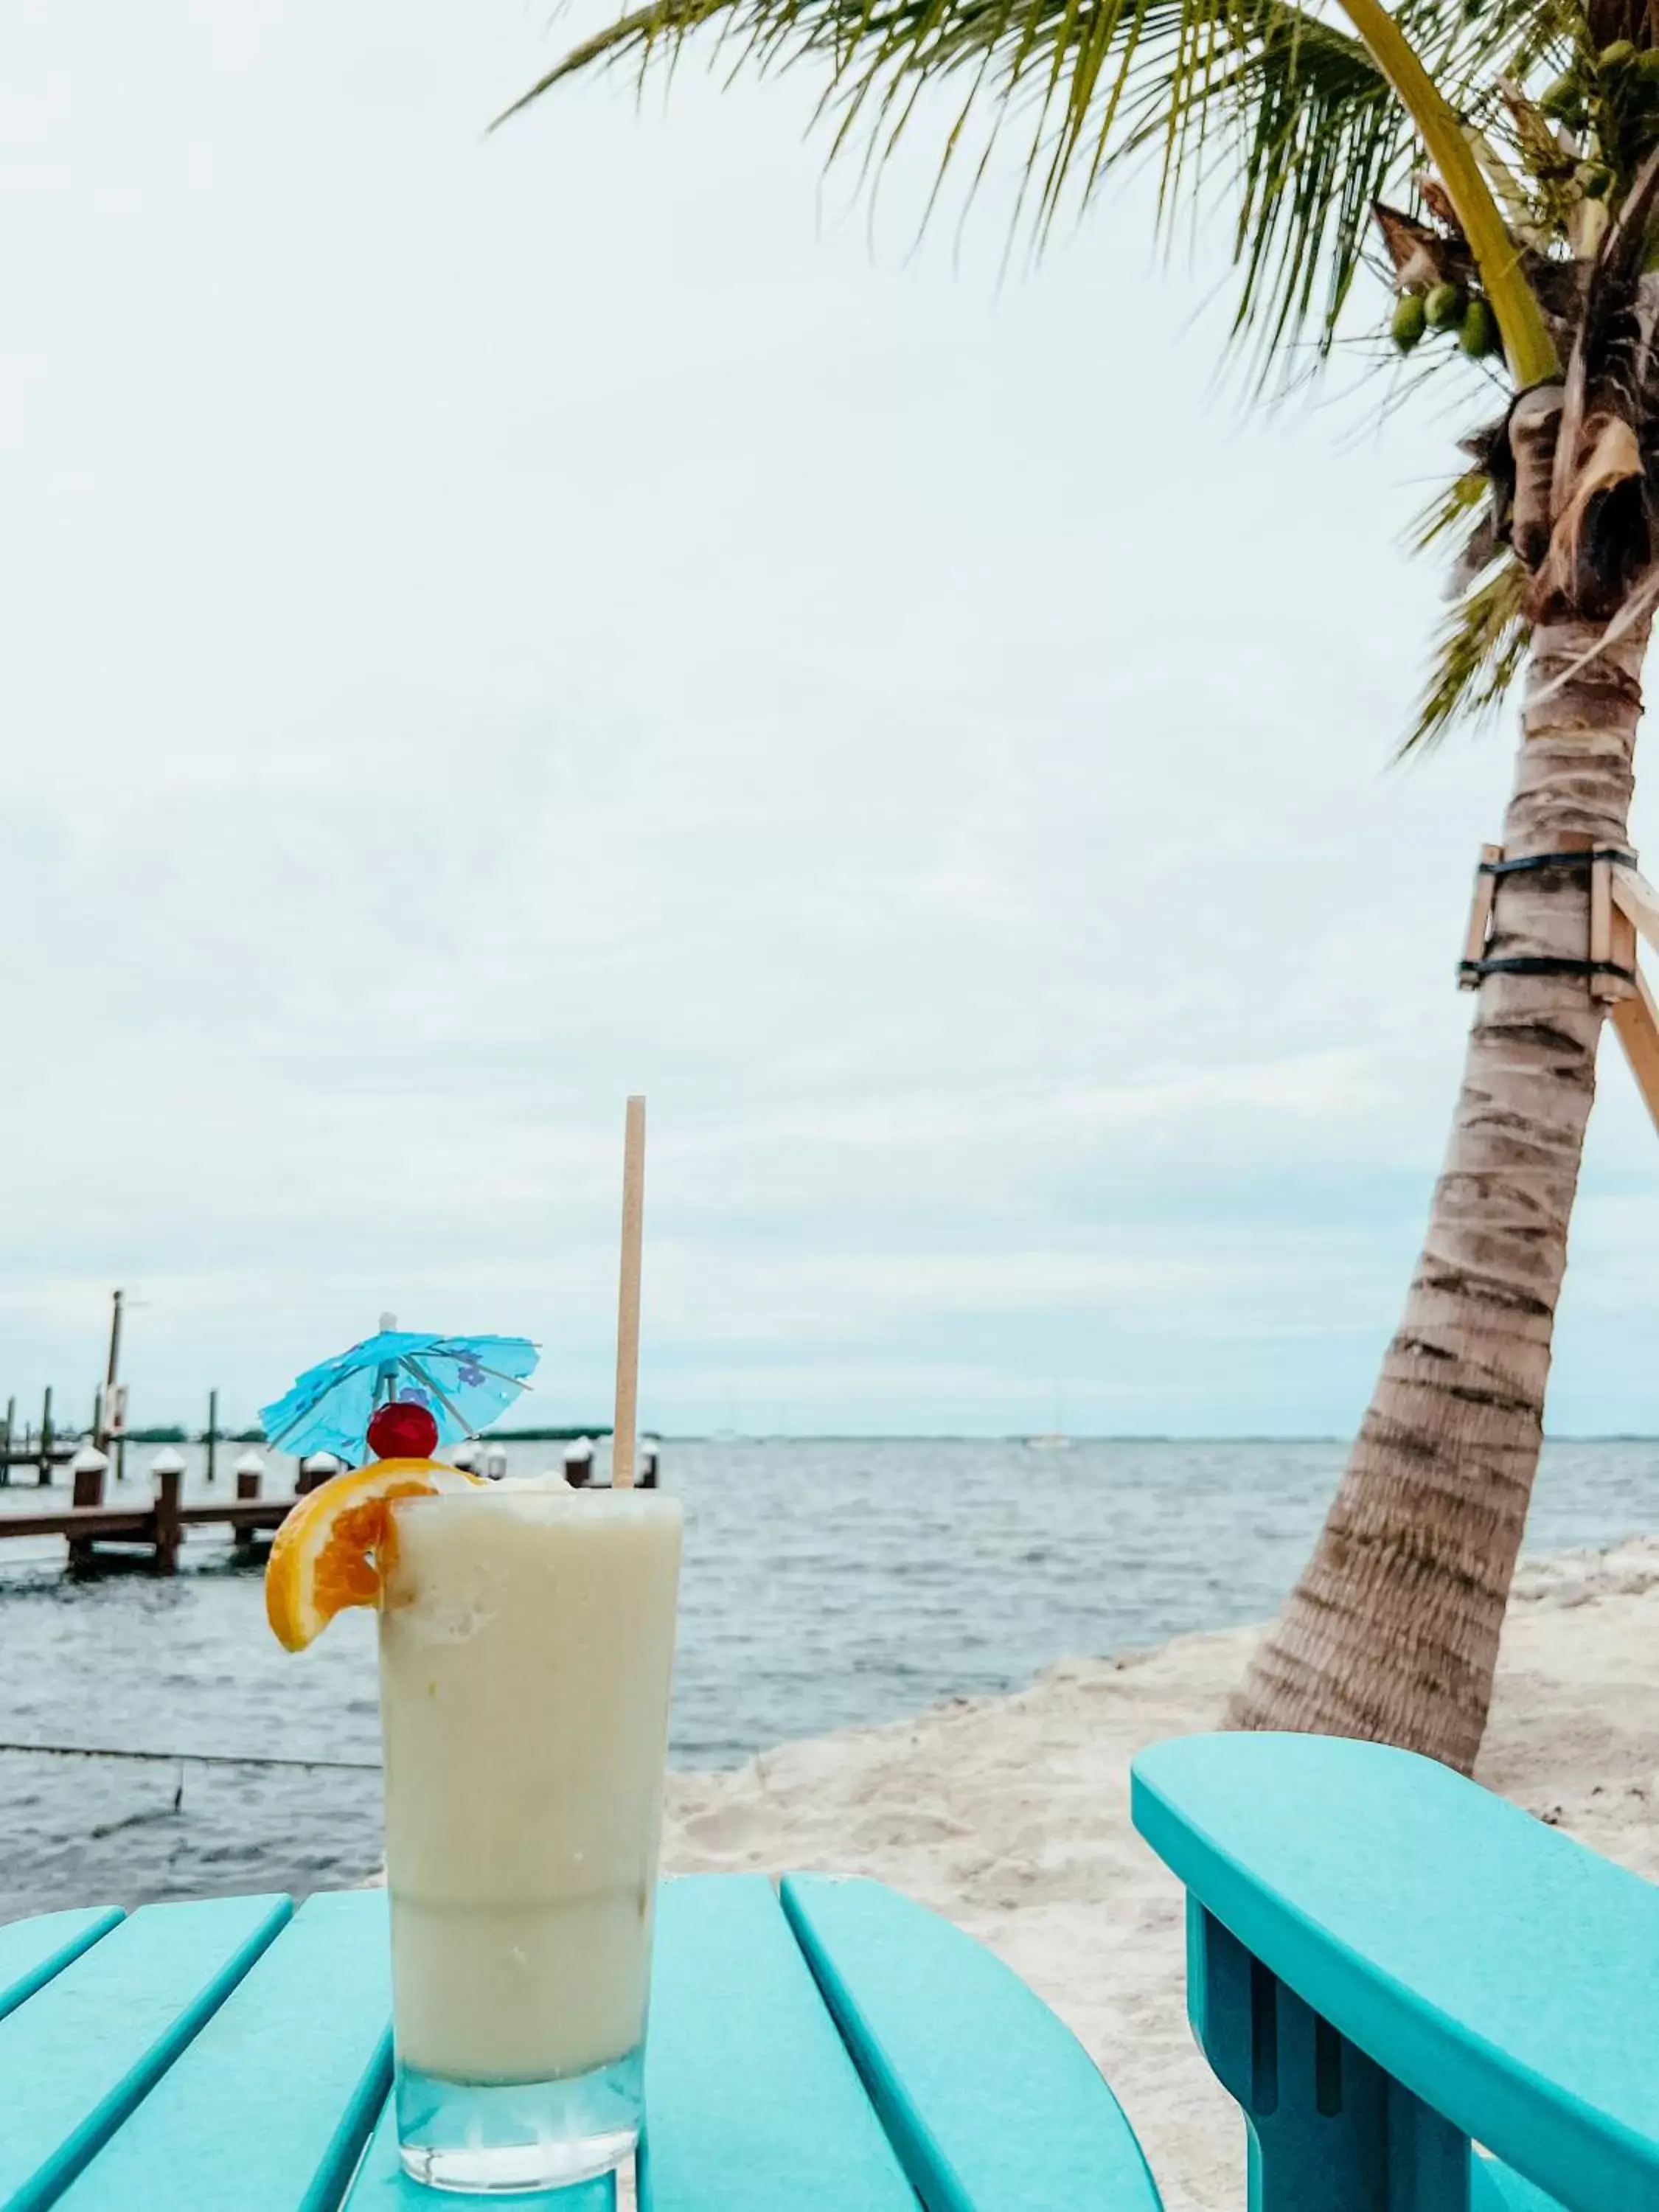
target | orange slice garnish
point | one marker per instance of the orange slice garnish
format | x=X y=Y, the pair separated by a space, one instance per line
x=327 y=1554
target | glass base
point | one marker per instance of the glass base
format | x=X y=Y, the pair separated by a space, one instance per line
x=490 y=2138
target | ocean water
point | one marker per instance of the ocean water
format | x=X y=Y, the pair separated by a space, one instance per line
x=825 y=1583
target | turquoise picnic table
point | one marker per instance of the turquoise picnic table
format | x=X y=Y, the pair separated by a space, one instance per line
x=1421 y=1999
x=824 y=2046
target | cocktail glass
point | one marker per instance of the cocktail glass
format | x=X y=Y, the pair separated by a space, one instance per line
x=526 y=1641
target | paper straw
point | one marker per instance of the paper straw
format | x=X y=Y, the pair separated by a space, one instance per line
x=627 y=1299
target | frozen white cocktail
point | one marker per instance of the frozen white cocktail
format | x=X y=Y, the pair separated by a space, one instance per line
x=526 y=1643
x=526 y=1638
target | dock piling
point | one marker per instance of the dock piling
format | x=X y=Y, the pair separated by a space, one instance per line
x=44 y=1473
x=88 y=1470
x=250 y=1474
x=5 y=1447
x=106 y=1413
x=213 y=1435
x=168 y=1470
x=315 y=1472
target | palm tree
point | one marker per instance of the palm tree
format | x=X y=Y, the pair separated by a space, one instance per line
x=1496 y=163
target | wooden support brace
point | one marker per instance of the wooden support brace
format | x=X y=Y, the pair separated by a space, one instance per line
x=1624 y=951
x=1606 y=986
x=1474 y=941
x=1637 y=1021
x=1637 y=900
x=1621 y=902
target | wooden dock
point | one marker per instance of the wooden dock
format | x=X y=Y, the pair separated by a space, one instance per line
x=150 y=1536
x=51 y=1450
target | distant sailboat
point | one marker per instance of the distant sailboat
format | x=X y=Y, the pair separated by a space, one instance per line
x=1054 y=1439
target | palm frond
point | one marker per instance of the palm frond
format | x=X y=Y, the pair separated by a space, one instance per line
x=1261 y=103
x=1306 y=132
x=615 y=43
x=1452 y=513
x=1269 y=109
x=1478 y=653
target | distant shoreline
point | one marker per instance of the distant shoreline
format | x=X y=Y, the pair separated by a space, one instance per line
x=177 y=1433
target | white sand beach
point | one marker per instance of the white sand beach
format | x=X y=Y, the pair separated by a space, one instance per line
x=1011 y=1815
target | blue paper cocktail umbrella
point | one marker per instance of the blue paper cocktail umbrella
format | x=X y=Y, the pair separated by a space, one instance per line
x=463 y=1381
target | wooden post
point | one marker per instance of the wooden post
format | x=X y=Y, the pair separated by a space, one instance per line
x=1636 y=1021
x=212 y=1434
x=1624 y=947
x=86 y=1473
x=1474 y=938
x=44 y=1473
x=104 y=1424
x=250 y=1474
x=1635 y=895
x=1605 y=987
x=169 y=1472
x=314 y=1472
x=5 y=1449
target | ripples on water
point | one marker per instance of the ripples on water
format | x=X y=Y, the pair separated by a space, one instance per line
x=826 y=1583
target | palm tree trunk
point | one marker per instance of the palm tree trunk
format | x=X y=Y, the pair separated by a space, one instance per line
x=1391 y=1631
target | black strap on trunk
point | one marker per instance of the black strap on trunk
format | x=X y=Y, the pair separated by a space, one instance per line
x=1545 y=963
x=1533 y=861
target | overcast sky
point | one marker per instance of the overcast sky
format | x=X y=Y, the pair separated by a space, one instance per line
x=491 y=625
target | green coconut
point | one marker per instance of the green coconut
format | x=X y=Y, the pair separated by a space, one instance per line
x=1565 y=99
x=1618 y=56
x=1478 y=334
x=1443 y=308
x=1409 y=321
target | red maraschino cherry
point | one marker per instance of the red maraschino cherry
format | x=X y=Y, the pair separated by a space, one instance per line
x=402 y=1430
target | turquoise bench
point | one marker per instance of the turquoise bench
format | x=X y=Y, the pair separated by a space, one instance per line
x=828 y=2047
x=1388 y=1968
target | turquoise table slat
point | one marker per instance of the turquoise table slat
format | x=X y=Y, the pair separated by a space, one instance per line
x=992 y=2102
x=227 y=2057
x=1505 y=1975
x=32 y=1951
x=383 y=2186
x=269 y=2107
x=77 y=2058
x=752 y=2102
